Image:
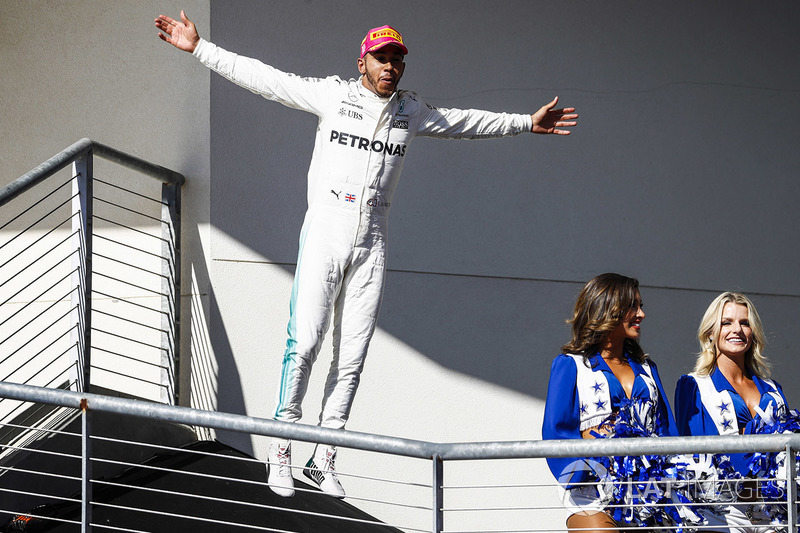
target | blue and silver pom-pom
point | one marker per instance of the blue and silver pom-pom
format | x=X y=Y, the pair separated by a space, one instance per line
x=769 y=468
x=649 y=490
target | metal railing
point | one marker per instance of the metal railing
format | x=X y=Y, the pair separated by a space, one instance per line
x=437 y=455
x=90 y=300
x=90 y=276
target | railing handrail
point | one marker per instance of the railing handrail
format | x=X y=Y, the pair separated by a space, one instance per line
x=401 y=446
x=78 y=149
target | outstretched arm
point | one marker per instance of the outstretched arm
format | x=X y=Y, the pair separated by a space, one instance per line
x=181 y=34
x=549 y=120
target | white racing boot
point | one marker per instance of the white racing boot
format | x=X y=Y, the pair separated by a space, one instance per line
x=321 y=470
x=280 y=478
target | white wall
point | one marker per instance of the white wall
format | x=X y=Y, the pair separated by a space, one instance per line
x=681 y=173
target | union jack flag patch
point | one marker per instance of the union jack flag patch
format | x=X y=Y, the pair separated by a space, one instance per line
x=350 y=198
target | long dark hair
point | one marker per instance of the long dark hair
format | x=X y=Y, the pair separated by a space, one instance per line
x=599 y=309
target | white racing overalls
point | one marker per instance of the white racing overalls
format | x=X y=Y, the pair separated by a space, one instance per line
x=362 y=141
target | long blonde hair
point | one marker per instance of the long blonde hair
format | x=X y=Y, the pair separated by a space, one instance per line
x=599 y=309
x=708 y=334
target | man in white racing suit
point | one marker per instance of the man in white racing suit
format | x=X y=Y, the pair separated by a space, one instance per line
x=363 y=136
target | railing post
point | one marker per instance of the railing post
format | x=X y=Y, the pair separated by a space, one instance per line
x=171 y=292
x=86 y=468
x=438 y=494
x=82 y=222
x=791 y=489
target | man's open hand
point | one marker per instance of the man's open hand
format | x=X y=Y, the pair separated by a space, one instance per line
x=180 y=34
x=549 y=120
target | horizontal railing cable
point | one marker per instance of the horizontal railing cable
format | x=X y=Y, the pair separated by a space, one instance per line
x=129 y=339
x=131 y=228
x=164 y=448
x=52 y=305
x=130 y=191
x=42 y=332
x=504 y=486
x=35 y=204
x=40 y=431
x=117 y=528
x=129 y=321
x=38 y=299
x=132 y=211
x=126 y=245
x=225 y=478
x=219 y=500
x=36 y=223
x=250 y=460
x=44 y=367
x=40 y=352
x=195 y=518
x=130 y=376
x=42 y=495
x=129 y=357
x=30 y=245
x=128 y=301
x=53 y=475
x=32 y=514
x=49 y=453
x=139 y=268
x=386 y=480
x=129 y=284
x=407 y=506
x=33 y=300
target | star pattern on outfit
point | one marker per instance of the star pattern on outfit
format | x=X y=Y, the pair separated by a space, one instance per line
x=599 y=404
x=598 y=387
x=726 y=423
x=584 y=408
x=723 y=407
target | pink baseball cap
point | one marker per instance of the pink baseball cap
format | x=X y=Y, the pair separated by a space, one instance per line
x=379 y=37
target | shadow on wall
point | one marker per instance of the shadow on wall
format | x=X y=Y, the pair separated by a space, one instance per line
x=483 y=327
x=212 y=367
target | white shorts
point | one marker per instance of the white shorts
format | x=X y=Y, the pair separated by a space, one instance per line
x=586 y=499
x=738 y=518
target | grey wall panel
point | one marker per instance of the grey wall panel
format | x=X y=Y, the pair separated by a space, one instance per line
x=682 y=171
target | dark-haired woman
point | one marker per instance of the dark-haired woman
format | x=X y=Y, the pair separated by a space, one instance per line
x=602 y=369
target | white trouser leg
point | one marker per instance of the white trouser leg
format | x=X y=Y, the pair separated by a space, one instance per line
x=355 y=315
x=323 y=256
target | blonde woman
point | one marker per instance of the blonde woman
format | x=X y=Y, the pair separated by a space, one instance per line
x=730 y=393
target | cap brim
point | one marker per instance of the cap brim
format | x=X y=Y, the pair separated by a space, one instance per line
x=391 y=43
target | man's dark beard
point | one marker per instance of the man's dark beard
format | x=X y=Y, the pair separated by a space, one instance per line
x=375 y=83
